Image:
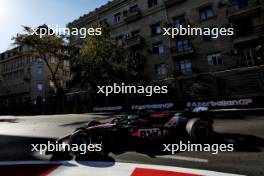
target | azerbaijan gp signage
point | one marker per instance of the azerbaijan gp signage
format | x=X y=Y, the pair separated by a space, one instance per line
x=108 y=108
x=220 y=103
x=161 y=106
x=225 y=103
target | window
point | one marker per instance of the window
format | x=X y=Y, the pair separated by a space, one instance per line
x=52 y=60
x=119 y=40
x=133 y=8
x=248 y=55
x=214 y=59
x=183 y=45
x=210 y=37
x=66 y=63
x=186 y=67
x=117 y=18
x=206 y=12
x=40 y=87
x=161 y=69
x=156 y=29
x=236 y=5
x=65 y=73
x=39 y=61
x=39 y=70
x=152 y=3
x=180 y=21
x=158 y=48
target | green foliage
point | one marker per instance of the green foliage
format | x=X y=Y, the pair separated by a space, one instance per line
x=95 y=61
x=102 y=61
x=205 y=86
x=45 y=47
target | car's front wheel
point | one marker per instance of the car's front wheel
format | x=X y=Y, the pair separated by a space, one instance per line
x=199 y=130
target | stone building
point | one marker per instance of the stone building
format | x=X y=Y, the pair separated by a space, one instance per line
x=25 y=81
x=139 y=25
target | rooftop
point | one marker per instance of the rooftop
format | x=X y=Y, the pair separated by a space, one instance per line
x=94 y=14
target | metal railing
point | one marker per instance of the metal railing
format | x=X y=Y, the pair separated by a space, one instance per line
x=134 y=40
x=132 y=14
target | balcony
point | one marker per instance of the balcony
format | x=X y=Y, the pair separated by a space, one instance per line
x=134 y=41
x=184 y=24
x=256 y=34
x=104 y=23
x=176 y=52
x=172 y=2
x=241 y=10
x=132 y=15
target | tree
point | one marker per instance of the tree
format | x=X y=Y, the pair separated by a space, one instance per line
x=204 y=86
x=103 y=62
x=46 y=47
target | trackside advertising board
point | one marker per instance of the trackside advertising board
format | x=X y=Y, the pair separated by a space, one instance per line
x=224 y=103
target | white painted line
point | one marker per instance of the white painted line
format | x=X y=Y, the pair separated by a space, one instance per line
x=69 y=168
x=37 y=162
x=125 y=169
x=184 y=158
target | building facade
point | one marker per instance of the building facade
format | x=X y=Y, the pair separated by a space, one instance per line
x=25 y=81
x=139 y=25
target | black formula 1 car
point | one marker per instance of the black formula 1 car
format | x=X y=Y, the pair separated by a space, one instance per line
x=134 y=132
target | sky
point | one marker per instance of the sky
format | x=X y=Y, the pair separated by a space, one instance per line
x=17 y=13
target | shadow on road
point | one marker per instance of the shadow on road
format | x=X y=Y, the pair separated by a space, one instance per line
x=85 y=122
x=9 y=120
x=242 y=142
x=75 y=123
x=100 y=162
x=18 y=148
x=18 y=170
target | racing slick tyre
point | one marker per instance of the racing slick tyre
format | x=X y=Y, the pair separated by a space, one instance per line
x=93 y=123
x=199 y=130
x=79 y=138
x=115 y=120
x=90 y=124
x=82 y=138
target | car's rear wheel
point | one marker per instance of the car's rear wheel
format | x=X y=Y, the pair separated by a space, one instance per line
x=199 y=130
x=78 y=139
x=115 y=120
x=90 y=124
x=93 y=123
